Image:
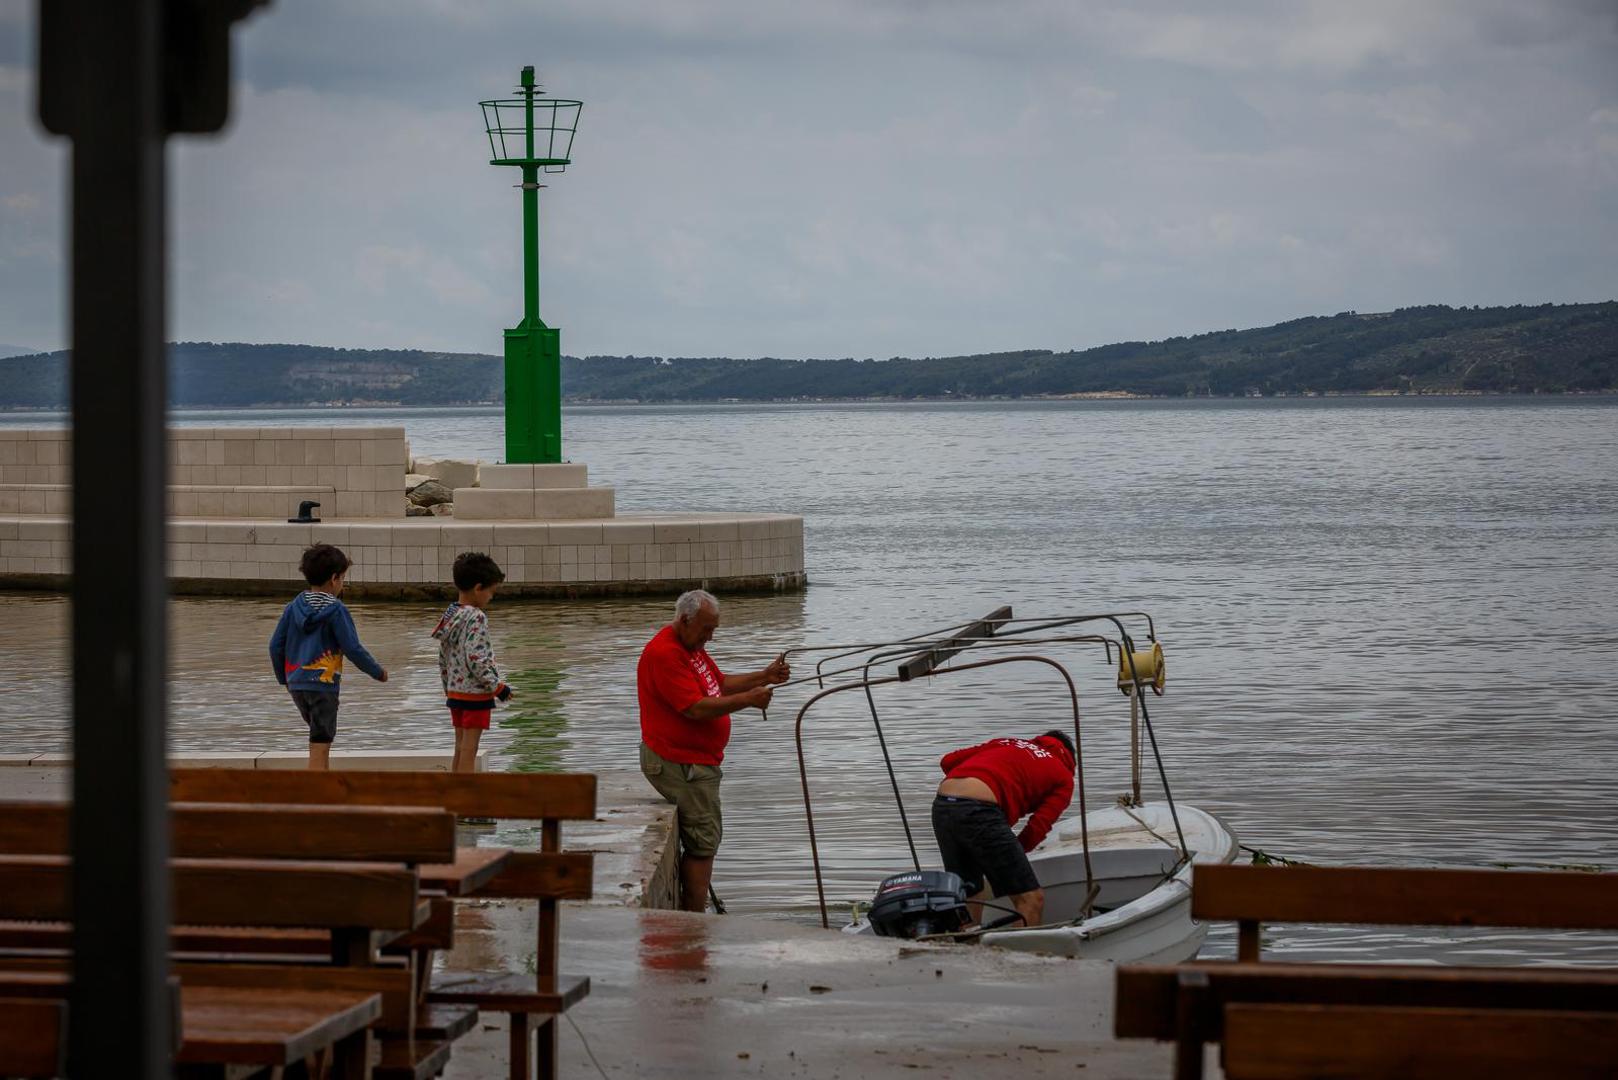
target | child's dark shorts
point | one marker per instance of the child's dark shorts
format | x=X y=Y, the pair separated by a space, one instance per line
x=319 y=711
x=976 y=842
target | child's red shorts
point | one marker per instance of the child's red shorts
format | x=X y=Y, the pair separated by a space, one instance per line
x=469 y=718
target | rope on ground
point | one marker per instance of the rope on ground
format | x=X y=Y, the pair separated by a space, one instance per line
x=589 y=1052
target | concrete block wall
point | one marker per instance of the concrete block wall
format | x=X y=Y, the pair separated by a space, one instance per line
x=230 y=472
x=33 y=455
x=624 y=550
x=34 y=471
x=419 y=551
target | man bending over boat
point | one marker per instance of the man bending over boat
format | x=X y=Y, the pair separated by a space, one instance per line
x=685 y=707
x=985 y=791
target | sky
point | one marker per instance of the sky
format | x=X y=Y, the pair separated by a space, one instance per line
x=865 y=178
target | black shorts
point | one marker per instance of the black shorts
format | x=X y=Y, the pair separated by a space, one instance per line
x=319 y=711
x=977 y=843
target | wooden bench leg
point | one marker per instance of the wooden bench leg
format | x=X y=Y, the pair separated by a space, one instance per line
x=351 y=1058
x=548 y=1068
x=1190 y=1002
x=520 y=1047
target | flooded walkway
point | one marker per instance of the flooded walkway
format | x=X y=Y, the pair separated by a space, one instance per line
x=680 y=995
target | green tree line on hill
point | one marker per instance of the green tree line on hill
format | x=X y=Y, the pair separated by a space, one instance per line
x=1568 y=348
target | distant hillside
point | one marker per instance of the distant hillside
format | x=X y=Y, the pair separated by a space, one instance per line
x=15 y=350
x=236 y=375
x=1546 y=349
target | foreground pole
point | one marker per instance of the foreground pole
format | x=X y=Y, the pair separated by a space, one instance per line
x=117 y=78
x=119 y=1019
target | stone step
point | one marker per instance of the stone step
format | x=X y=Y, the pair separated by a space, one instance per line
x=534 y=504
x=198 y=500
x=529 y=477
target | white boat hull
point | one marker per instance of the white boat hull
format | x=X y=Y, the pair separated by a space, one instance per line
x=1144 y=902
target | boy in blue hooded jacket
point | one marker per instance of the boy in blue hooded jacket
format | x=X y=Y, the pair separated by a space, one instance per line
x=307 y=649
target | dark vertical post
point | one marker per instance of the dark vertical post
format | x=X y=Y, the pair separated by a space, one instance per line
x=1191 y=1004
x=1248 y=942
x=118 y=78
x=550 y=957
x=103 y=72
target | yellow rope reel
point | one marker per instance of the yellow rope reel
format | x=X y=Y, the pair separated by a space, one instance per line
x=1148 y=669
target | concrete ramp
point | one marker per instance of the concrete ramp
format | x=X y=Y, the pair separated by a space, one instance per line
x=678 y=995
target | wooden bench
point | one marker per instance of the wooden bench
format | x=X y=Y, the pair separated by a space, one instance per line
x=414 y=836
x=216 y=1028
x=421 y=837
x=1301 y=1019
x=33 y=1036
x=338 y=912
x=548 y=876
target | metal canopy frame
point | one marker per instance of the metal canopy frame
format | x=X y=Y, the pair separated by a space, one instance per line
x=922 y=656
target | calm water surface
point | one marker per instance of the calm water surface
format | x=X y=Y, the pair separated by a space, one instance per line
x=1390 y=625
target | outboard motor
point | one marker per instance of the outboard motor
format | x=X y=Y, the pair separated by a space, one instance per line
x=919 y=902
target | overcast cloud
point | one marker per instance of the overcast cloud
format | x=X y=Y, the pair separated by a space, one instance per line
x=868 y=177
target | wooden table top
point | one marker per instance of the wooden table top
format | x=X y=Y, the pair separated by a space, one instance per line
x=237 y=1025
x=473 y=868
x=226 y=1025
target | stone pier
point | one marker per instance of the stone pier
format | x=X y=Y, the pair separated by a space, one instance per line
x=231 y=491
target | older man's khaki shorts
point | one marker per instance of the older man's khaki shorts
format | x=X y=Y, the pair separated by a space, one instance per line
x=694 y=791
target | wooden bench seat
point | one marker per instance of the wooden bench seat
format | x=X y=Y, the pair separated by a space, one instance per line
x=393 y=985
x=444 y=1022
x=1282 y=1042
x=1149 y=996
x=512 y=992
x=418 y=1060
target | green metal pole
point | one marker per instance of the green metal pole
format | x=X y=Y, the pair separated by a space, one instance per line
x=530 y=212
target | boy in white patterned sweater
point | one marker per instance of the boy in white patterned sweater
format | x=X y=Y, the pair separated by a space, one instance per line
x=472 y=683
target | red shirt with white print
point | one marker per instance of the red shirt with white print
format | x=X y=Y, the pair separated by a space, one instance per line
x=669 y=680
x=1026 y=775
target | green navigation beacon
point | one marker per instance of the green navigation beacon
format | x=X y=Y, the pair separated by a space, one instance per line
x=534 y=133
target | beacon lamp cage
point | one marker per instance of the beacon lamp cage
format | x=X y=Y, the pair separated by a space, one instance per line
x=547 y=143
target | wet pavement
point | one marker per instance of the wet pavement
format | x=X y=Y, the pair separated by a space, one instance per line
x=682 y=995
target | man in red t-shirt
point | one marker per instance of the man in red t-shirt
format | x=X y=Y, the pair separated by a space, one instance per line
x=685 y=707
x=985 y=790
